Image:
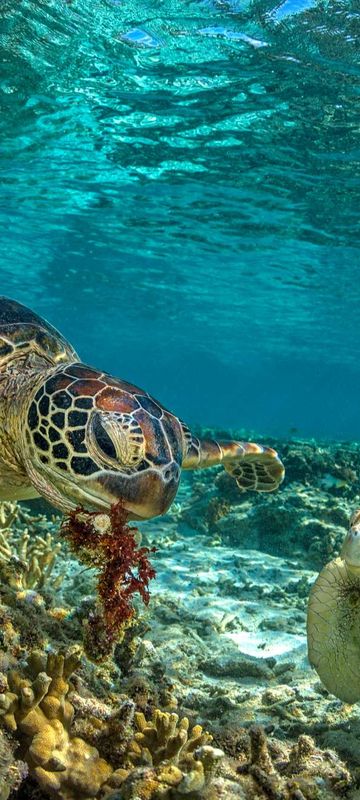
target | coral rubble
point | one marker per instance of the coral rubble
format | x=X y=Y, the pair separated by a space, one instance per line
x=12 y=771
x=275 y=771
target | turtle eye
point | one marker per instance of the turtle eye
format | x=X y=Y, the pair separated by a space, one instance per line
x=102 y=438
x=117 y=439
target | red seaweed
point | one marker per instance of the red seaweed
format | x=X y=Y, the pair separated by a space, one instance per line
x=108 y=543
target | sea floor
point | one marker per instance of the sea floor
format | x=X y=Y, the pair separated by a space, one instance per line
x=223 y=639
x=229 y=631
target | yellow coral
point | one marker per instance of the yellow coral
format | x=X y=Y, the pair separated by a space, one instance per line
x=169 y=757
x=164 y=759
x=164 y=739
x=63 y=765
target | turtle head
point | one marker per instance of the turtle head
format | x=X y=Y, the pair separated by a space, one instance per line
x=350 y=551
x=92 y=440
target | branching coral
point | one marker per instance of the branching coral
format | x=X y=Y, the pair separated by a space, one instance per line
x=164 y=739
x=28 y=563
x=15 y=517
x=170 y=760
x=27 y=560
x=157 y=757
x=109 y=544
x=39 y=711
x=8 y=514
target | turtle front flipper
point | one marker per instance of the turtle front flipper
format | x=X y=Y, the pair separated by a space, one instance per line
x=253 y=467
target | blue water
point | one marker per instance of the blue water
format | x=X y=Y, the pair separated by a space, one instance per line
x=181 y=194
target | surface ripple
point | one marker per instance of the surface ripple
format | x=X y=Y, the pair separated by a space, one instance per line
x=207 y=151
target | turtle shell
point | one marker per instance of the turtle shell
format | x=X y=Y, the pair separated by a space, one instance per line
x=24 y=333
x=333 y=630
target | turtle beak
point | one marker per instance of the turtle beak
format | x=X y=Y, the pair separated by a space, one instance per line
x=144 y=495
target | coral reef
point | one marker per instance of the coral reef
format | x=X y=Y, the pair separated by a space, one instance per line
x=12 y=771
x=38 y=709
x=28 y=564
x=222 y=645
x=33 y=567
x=313 y=506
x=40 y=712
x=170 y=760
x=27 y=559
x=164 y=739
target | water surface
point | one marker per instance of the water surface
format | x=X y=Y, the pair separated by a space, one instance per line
x=180 y=195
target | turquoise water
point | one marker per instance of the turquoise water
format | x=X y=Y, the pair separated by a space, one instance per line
x=180 y=196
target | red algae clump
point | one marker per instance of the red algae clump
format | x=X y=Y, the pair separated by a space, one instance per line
x=108 y=543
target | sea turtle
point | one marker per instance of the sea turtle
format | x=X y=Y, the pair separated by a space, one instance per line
x=79 y=437
x=333 y=620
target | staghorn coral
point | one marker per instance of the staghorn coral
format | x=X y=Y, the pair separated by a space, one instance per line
x=27 y=559
x=160 y=759
x=15 y=517
x=28 y=564
x=9 y=512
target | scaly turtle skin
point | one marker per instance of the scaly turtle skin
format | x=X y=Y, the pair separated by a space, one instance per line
x=333 y=620
x=80 y=437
